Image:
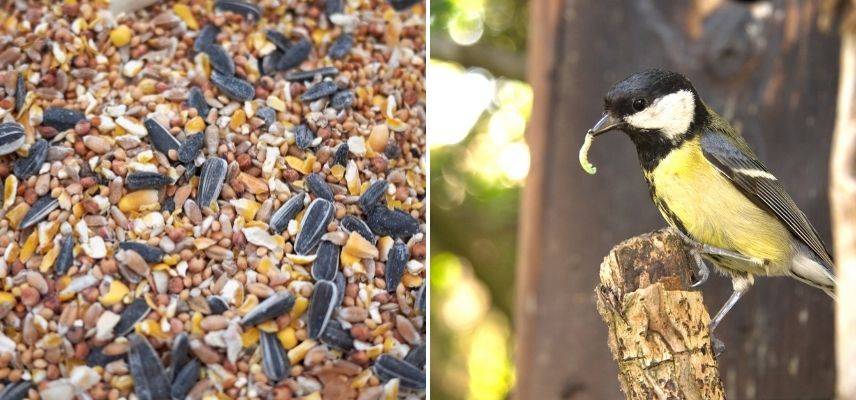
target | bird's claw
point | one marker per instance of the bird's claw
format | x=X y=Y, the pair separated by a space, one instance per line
x=717 y=345
x=703 y=270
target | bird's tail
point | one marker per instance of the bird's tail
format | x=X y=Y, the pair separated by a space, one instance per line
x=807 y=269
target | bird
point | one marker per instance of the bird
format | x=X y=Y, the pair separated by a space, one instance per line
x=711 y=188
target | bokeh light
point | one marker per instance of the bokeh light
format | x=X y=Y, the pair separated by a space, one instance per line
x=457 y=99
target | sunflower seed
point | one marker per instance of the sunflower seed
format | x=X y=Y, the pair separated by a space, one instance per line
x=217 y=305
x=66 y=256
x=234 y=88
x=314 y=225
x=268 y=64
x=150 y=382
x=303 y=136
x=211 y=181
x=326 y=262
x=20 y=96
x=373 y=195
x=11 y=137
x=179 y=355
x=392 y=151
x=318 y=187
x=342 y=99
x=191 y=148
x=185 y=380
x=133 y=313
x=16 y=391
x=239 y=7
x=333 y=7
x=220 y=60
x=401 y=5
x=420 y=300
x=161 y=139
x=40 y=209
x=336 y=336
x=341 y=46
x=279 y=220
x=351 y=223
x=416 y=356
x=341 y=155
x=395 y=223
x=388 y=367
x=207 y=35
x=321 y=306
x=150 y=254
x=311 y=74
x=295 y=55
x=146 y=180
x=268 y=115
x=61 y=119
x=272 y=307
x=395 y=264
x=278 y=39
x=340 y=284
x=274 y=362
x=319 y=90
x=28 y=166
x=96 y=357
x=196 y=99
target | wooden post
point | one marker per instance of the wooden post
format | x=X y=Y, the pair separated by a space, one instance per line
x=658 y=328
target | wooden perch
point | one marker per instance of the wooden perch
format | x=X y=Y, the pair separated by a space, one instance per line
x=658 y=328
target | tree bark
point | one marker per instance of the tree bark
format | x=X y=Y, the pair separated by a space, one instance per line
x=658 y=328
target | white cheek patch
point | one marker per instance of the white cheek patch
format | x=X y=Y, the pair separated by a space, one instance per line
x=672 y=114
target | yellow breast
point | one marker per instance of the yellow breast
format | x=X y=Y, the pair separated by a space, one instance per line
x=713 y=210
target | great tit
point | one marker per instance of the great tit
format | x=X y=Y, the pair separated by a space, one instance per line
x=709 y=186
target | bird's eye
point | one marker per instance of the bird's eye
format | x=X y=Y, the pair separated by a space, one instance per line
x=639 y=104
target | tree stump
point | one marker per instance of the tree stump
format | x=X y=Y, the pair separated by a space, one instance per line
x=658 y=328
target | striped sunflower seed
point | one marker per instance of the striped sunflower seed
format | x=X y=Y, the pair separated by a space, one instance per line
x=11 y=137
x=233 y=87
x=220 y=60
x=303 y=136
x=275 y=364
x=244 y=8
x=185 y=380
x=39 y=211
x=133 y=313
x=61 y=119
x=279 y=220
x=66 y=256
x=395 y=223
x=321 y=306
x=319 y=90
x=217 y=305
x=150 y=382
x=28 y=166
x=388 y=367
x=314 y=225
x=311 y=74
x=151 y=254
x=207 y=35
x=337 y=336
x=191 y=148
x=373 y=195
x=295 y=55
x=319 y=187
x=97 y=357
x=278 y=39
x=340 y=285
x=268 y=63
x=395 y=264
x=326 y=262
x=20 y=96
x=146 y=180
x=341 y=46
x=161 y=139
x=211 y=181
x=268 y=115
x=354 y=224
x=420 y=300
x=341 y=155
x=342 y=99
x=416 y=356
x=179 y=355
x=196 y=99
x=16 y=391
x=272 y=307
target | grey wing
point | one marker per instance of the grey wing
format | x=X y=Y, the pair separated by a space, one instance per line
x=760 y=186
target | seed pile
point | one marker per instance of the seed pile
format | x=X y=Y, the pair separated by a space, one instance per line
x=212 y=199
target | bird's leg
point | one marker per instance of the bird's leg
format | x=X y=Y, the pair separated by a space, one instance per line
x=703 y=270
x=732 y=300
x=697 y=249
x=741 y=284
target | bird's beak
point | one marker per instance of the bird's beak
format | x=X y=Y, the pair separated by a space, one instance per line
x=606 y=124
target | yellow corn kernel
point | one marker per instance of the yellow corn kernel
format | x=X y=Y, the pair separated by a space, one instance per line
x=250 y=337
x=29 y=247
x=296 y=354
x=275 y=103
x=300 y=306
x=238 y=118
x=48 y=259
x=288 y=338
x=195 y=124
x=10 y=189
x=196 y=324
x=134 y=201
x=359 y=247
x=337 y=171
x=183 y=12
x=121 y=35
x=16 y=214
x=117 y=292
x=268 y=326
x=411 y=281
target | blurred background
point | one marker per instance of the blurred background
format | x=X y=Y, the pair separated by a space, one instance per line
x=479 y=104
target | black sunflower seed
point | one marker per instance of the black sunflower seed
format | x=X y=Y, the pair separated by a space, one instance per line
x=40 y=209
x=268 y=64
x=279 y=220
x=395 y=223
x=326 y=262
x=395 y=263
x=351 y=223
x=196 y=99
x=211 y=181
x=392 y=151
x=220 y=60
x=11 y=137
x=16 y=391
x=341 y=46
x=319 y=90
x=275 y=364
x=342 y=99
x=416 y=356
x=321 y=306
x=340 y=284
x=278 y=39
x=420 y=300
x=333 y=7
x=28 y=166
x=268 y=115
x=272 y=307
x=303 y=136
x=401 y=5
x=179 y=355
x=341 y=155
x=217 y=305
x=150 y=382
x=233 y=87
x=337 y=336
x=373 y=195
x=65 y=257
x=388 y=367
x=168 y=205
x=311 y=74
x=161 y=139
x=244 y=8
x=133 y=313
x=295 y=55
x=61 y=119
x=146 y=180
x=207 y=35
x=314 y=225
x=185 y=379
x=96 y=357
x=20 y=93
x=151 y=254
x=319 y=187
x=191 y=147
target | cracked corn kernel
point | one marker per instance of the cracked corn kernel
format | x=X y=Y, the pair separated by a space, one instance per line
x=275 y=103
x=300 y=306
x=117 y=292
x=121 y=35
x=141 y=199
x=296 y=354
x=194 y=125
x=183 y=12
x=288 y=338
